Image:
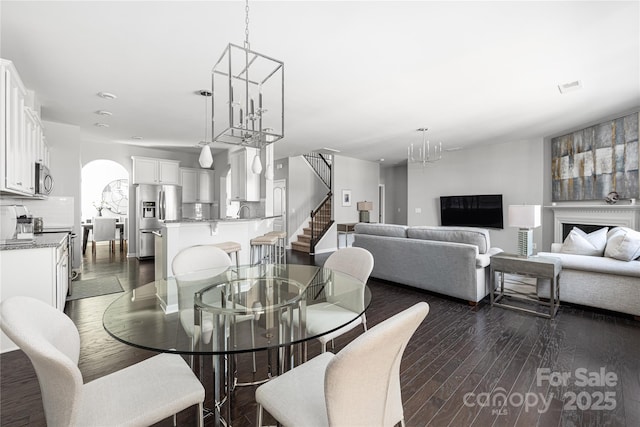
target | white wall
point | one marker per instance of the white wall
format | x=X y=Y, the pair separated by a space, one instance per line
x=513 y=169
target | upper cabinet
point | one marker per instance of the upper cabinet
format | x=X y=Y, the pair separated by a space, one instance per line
x=155 y=171
x=197 y=185
x=245 y=185
x=22 y=142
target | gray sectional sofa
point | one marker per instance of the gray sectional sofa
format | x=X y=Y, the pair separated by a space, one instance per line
x=452 y=261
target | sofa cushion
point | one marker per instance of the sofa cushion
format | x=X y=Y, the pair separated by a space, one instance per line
x=580 y=243
x=596 y=264
x=388 y=230
x=623 y=244
x=470 y=235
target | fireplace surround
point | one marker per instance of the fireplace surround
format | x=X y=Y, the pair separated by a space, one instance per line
x=590 y=217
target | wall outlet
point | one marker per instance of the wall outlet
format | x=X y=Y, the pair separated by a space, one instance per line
x=418 y=210
x=534 y=246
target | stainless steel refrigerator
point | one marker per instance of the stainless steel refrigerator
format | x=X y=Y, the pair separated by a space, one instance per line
x=155 y=204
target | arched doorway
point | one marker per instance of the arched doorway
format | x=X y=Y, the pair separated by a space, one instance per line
x=105 y=191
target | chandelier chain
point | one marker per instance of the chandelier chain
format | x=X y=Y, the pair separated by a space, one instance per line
x=246 y=21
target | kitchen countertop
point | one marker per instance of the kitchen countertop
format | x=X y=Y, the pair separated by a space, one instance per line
x=46 y=240
x=194 y=220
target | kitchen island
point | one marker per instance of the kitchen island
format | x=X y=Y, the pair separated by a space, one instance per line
x=180 y=234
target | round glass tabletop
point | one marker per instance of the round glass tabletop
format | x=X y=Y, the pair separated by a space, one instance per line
x=233 y=310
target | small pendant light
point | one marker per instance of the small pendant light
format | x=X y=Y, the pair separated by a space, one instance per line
x=256 y=166
x=206 y=158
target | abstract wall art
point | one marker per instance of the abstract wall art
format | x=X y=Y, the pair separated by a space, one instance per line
x=590 y=163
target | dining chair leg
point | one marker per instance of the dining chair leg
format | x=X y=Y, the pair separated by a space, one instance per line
x=259 y=415
x=201 y=414
x=253 y=344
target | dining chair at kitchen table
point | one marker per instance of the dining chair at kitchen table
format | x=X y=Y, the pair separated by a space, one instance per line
x=357 y=263
x=141 y=394
x=104 y=229
x=358 y=386
x=206 y=259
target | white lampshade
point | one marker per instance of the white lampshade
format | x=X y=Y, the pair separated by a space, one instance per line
x=206 y=158
x=524 y=216
x=256 y=166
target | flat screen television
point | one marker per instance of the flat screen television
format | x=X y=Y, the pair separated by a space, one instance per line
x=472 y=211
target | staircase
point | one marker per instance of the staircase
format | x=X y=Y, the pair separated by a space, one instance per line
x=316 y=228
x=321 y=217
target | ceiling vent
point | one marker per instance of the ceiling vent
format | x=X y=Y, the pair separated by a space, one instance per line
x=570 y=87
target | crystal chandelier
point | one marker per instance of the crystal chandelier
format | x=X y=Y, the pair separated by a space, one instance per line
x=248 y=96
x=423 y=154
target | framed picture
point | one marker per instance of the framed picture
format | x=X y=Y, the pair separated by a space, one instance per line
x=346 y=197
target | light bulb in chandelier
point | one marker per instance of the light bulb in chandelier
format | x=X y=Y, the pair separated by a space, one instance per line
x=256 y=165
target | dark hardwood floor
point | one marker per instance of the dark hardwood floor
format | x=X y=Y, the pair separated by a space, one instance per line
x=465 y=366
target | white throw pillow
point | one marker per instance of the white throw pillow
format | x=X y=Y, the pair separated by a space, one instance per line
x=580 y=243
x=623 y=244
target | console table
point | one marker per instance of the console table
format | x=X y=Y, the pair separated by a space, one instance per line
x=539 y=267
x=346 y=229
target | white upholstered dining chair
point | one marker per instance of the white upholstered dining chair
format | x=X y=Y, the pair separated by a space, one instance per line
x=357 y=263
x=207 y=259
x=104 y=229
x=358 y=386
x=139 y=395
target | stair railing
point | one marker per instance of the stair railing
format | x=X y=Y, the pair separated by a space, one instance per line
x=320 y=221
x=321 y=164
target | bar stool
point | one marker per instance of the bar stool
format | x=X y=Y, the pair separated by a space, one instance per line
x=260 y=244
x=229 y=248
x=281 y=247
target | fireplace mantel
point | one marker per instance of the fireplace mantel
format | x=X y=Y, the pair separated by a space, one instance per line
x=613 y=215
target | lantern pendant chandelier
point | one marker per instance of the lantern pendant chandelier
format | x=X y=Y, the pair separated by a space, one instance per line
x=424 y=153
x=248 y=97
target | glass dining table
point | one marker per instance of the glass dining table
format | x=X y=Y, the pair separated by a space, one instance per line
x=224 y=311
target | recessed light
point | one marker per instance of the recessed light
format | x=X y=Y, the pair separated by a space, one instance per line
x=101 y=125
x=107 y=95
x=104 y=113
x=137 y=138
x=570 y=87
x=381 y=160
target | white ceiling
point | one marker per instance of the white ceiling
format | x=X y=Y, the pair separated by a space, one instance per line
x=360 y=77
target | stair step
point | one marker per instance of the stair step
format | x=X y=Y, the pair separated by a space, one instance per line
x=303 y=238
x=300 y=247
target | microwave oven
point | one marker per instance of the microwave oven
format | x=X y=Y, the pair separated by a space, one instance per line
x=44 y=180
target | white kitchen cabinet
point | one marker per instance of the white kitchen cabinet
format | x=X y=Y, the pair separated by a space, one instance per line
x=197 y=185
x=48 y=282
x=147 y=170
x=22 y=141
x=245 y=185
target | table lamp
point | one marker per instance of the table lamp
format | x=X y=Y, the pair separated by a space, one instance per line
x=526 y=218
x=364 y=208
